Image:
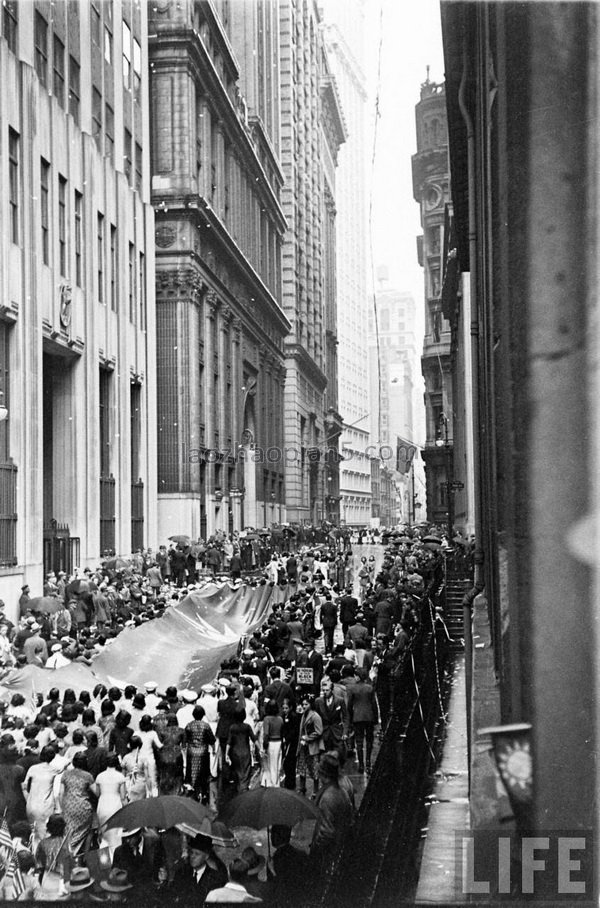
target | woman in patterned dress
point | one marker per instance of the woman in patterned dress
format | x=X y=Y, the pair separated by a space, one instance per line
x=170 y=759
x=77 y=800
x=200 y=738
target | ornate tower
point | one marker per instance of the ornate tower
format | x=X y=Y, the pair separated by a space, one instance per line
x=431 y=190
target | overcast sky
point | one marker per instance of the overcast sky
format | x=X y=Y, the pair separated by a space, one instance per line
x=411 y=40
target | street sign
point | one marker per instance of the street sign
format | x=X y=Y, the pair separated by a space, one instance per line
x=457 y=485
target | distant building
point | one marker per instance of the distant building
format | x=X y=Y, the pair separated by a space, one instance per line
x=393 y=381
x=216 y=187
x=345 y=37
x=77 y=330
x=431 y=190
x=306 y=293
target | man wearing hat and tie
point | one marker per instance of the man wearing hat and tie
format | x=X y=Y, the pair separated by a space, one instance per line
x=202 y=872
x=141 y=855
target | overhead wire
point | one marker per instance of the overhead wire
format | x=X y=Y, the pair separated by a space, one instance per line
x=371 y=193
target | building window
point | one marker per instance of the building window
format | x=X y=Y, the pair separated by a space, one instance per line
x=74 y=89
x=104 y=403
x=45 y=210
x=41 y=48
x=97 y=117
x=100 y=247
x=109 y=127
x=10 y=23
x=58 y=64
x=132 y=283
x=78 y=239
x=137 y=70
x=114 y=265
x=126 y=56
x=138 y=167
x=62 y=224
x=127 y=162
x=142 y=285
x=96 y=25
x=108 y=49
x=13 y=184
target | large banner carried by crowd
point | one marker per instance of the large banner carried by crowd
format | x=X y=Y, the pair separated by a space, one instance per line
x=185 y=647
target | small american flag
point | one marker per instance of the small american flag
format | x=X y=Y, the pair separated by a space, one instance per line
x=6 y=842
x=34 y=704
x=15 y=876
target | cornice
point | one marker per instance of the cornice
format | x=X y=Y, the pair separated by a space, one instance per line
x=307 y=365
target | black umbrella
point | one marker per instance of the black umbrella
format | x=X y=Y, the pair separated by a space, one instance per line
x=76 y=587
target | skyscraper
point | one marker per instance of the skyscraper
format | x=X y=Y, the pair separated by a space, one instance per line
x=345 y=33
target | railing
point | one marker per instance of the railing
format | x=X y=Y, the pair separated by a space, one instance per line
x=61 y=550
x=137 y=515
x=392 y=810
x=8 y=514
x=107 y=515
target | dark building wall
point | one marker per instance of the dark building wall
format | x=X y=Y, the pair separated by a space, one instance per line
x=525 y=160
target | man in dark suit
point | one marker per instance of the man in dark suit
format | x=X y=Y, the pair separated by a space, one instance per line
x=363 y=713
x=329 y=620
x=310 y=658
x=334 y=716
x=142 y=856
x=277 y=689
x=348 y=609
x=202 y=872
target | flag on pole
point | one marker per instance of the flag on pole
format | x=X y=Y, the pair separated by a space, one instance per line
x=405 y=452
x=34 y=707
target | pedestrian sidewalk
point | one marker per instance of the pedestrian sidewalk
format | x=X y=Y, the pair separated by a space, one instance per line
x=449 y=804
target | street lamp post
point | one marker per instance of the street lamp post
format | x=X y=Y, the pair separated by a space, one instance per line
x=444 y=441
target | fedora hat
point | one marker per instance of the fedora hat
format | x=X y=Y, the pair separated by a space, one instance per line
x=118 y=881
x=200 y=843
x=80 y=879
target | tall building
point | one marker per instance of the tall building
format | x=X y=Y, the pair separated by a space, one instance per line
x=431 y=190
x=525 y=241
x=77 y=331
x=394 y=383
x=216 y=187
x=333 y=136
x=304 y=265
x=345 y=37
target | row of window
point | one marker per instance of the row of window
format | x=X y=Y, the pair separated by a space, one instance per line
x=136 y=266
x=50 y=63
x=52 y=75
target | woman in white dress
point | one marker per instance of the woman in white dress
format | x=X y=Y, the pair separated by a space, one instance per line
x=41 y=790
x=110 y=788
x=151 y=743
x=136 y=771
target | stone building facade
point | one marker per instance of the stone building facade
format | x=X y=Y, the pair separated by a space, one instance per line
x=431 y=191
x=216 y=187
x=303 y=269
x=76 y=290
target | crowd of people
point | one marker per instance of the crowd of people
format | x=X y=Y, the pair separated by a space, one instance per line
x=298 y=707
